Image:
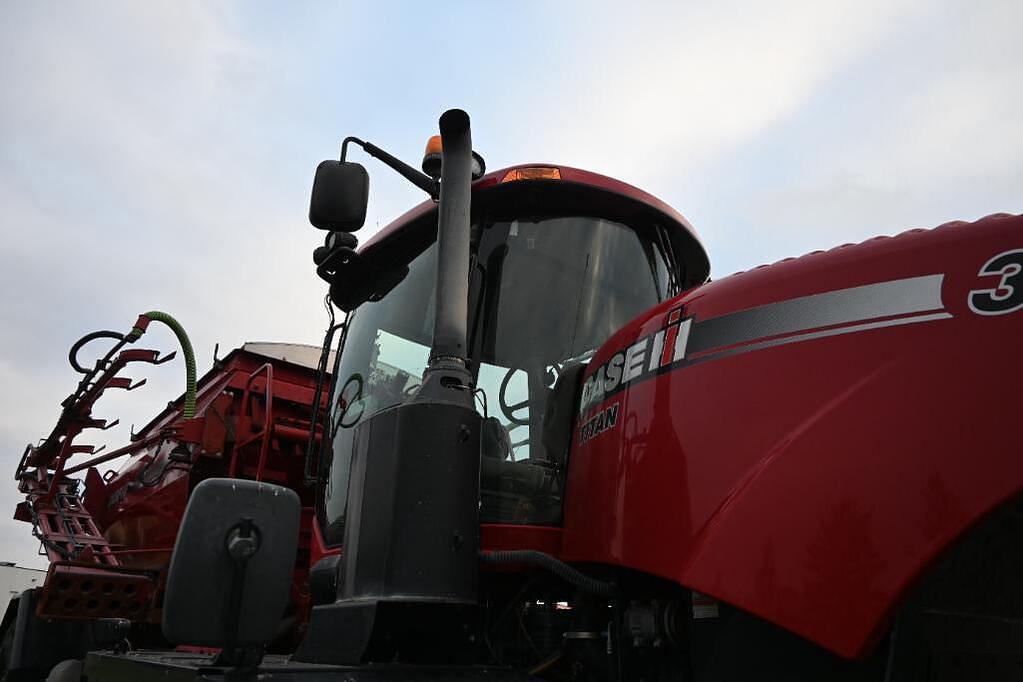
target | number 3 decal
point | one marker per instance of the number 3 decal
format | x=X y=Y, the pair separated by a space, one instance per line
x=1007 y=297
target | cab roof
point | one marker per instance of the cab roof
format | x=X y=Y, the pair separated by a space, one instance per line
x=685 y=242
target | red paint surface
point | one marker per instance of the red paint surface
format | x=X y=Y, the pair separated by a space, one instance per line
x=141 y=521
x=810 y=483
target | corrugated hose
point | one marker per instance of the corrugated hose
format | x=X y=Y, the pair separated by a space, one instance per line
x=186 y=348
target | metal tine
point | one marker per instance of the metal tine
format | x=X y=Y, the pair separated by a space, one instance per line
x=100 y=424
x=166 y=358
x=110 y=425
x=140 y=382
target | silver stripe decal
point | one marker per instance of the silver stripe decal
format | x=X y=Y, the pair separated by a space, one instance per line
x=832 y=313
x=842 y=306
x=820 y=335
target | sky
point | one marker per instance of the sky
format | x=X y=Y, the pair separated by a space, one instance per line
x=159 y=155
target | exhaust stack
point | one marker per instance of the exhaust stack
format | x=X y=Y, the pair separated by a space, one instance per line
x=446 y=377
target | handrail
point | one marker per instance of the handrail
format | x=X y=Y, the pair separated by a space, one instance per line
x=265 y=431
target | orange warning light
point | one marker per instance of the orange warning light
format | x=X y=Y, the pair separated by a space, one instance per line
x=432 y=157
x=433 y=145
x=532 y=173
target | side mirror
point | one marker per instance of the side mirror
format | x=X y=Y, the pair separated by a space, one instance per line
x=340 y=195
x=230 y=573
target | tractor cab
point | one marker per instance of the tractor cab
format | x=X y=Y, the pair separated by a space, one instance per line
x=559 y=259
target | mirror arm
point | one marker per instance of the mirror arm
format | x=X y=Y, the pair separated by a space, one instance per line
x=344 y=146
x=242 y=542
x=417 y=178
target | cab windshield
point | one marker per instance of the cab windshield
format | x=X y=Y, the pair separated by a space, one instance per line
x=544 y=292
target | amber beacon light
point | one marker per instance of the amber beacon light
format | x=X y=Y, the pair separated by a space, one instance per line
x=433 y=156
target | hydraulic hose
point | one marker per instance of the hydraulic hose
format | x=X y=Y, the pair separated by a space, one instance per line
x=186 y=349
x=72 y=355
x=555 y=566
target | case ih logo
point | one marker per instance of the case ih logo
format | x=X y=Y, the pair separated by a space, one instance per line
x=862 y=308
x=662 y=348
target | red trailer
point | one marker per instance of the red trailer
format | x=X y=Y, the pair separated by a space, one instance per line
x=109 y=532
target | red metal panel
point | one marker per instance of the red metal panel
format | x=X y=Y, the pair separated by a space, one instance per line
x=810 y=482
x=318 y=547
x=74 y=591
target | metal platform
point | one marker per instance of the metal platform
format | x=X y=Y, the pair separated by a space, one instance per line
x=164 y=666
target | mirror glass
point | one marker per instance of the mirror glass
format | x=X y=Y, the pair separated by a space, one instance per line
x=340 y=195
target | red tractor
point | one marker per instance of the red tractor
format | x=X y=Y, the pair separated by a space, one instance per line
x=556 y=450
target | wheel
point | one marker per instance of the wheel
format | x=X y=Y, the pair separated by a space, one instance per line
x=966 y=615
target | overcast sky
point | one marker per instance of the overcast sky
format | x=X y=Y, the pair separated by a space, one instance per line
x=160 y=154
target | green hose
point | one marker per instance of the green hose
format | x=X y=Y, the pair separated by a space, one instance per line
x=186 y=349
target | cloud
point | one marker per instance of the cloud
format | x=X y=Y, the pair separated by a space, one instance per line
x=657 y=96
x=782 y=128
x=122 y=189
x=928 y=133
x=136 y=178
x=964 y=124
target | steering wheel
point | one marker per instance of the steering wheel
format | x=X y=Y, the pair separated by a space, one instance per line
x=346 y=402
x=510 y=410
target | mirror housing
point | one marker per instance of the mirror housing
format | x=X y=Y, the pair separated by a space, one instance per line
x=340 y=196
x=230 y=573
x=358 y=281
x=332 y=242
